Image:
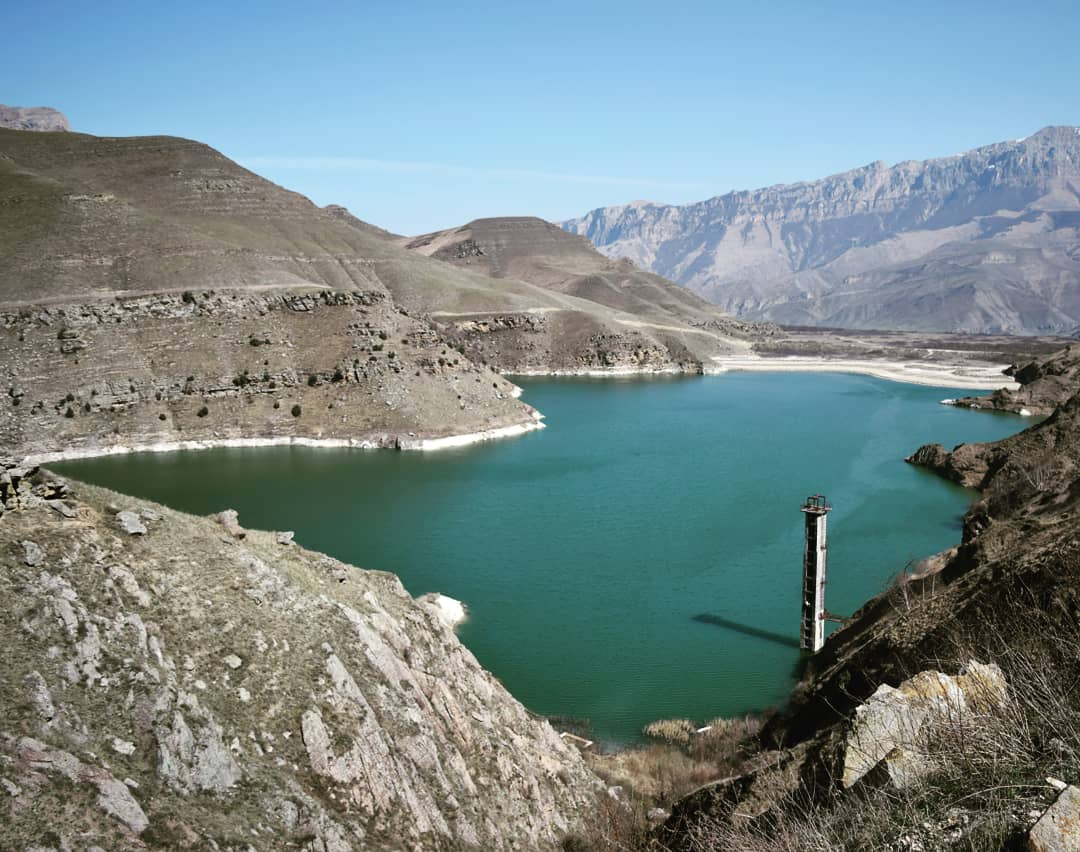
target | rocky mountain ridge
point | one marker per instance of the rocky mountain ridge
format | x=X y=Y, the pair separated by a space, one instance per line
x=45 y=119
x=985 y=241
x=154 y=293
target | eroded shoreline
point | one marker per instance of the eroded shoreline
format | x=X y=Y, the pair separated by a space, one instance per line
x=966 y=376
x=384 y=442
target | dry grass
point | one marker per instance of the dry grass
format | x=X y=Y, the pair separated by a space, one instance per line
x=989 y=769
x=670 y=730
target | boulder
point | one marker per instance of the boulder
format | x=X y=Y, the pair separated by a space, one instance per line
x=33 y=554
x=130 y=523
x=1058 y=830
x=896 y=726
x=230 y=520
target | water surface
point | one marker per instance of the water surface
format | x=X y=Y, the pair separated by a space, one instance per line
x=639 y=558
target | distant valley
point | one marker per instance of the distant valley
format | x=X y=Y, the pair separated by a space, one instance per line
x=985 y=242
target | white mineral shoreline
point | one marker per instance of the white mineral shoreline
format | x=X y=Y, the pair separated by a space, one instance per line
x=384 y=442
x=601 y=374
x=934 y=374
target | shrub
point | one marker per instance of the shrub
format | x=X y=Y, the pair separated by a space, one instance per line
x=69 y=412
x=161 y=417
x=296 y=411
x=671 y=730
x=202 y=412
x=312 y=380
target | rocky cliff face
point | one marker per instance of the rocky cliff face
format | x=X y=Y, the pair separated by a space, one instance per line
x=172 y=681
x=1044 y=382
x=322 y=365
x=33 y=118
x=986 y=241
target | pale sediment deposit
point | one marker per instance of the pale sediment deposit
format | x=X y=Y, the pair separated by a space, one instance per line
x=397 y=442
x=937 y=374
x=451 y=612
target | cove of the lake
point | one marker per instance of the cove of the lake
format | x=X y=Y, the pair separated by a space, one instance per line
x=585 y=551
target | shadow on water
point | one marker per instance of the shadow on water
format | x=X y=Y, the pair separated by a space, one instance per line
x=747 y=629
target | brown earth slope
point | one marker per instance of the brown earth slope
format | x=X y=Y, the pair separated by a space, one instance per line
x=152 y=291
x=630 y=319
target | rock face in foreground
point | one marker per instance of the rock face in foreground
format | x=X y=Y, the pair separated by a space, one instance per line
x=985 y=241
x=169 y=684
x=33 y=118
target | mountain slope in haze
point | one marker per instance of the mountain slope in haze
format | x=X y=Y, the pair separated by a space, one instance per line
x=33 y=118
x=987 y=241
x=626 y=309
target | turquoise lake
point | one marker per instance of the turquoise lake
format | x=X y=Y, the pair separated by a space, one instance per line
x=585 y=551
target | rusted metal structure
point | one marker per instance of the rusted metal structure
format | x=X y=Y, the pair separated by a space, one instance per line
x=812 y=631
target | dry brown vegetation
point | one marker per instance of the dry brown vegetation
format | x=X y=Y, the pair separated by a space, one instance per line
x=986 y=787
x=655 y=776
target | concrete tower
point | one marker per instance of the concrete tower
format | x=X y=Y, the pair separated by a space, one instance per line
x=812 y=632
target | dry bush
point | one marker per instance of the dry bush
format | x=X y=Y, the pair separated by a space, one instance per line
x=671 y=730
x=658 y=773
x=614 y=826
x=726 y=744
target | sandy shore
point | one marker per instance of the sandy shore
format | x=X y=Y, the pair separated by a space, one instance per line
x=382 y=442
x=935 y=374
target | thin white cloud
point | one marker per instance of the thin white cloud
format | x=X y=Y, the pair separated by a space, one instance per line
x=365 y=164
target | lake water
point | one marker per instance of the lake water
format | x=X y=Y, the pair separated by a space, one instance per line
x=585 y=551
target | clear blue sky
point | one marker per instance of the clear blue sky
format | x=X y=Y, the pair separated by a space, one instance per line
x=420 y=116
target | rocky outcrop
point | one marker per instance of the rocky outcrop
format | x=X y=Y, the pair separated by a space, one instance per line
x=1044 y=383
x=33 y=118
x=895 y=727
x=985 y=241
x=170 y=369
x=1058 y=829
x=187 y=688
x=966 y=465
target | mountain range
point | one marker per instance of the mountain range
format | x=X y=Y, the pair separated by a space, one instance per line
x=987 y=241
